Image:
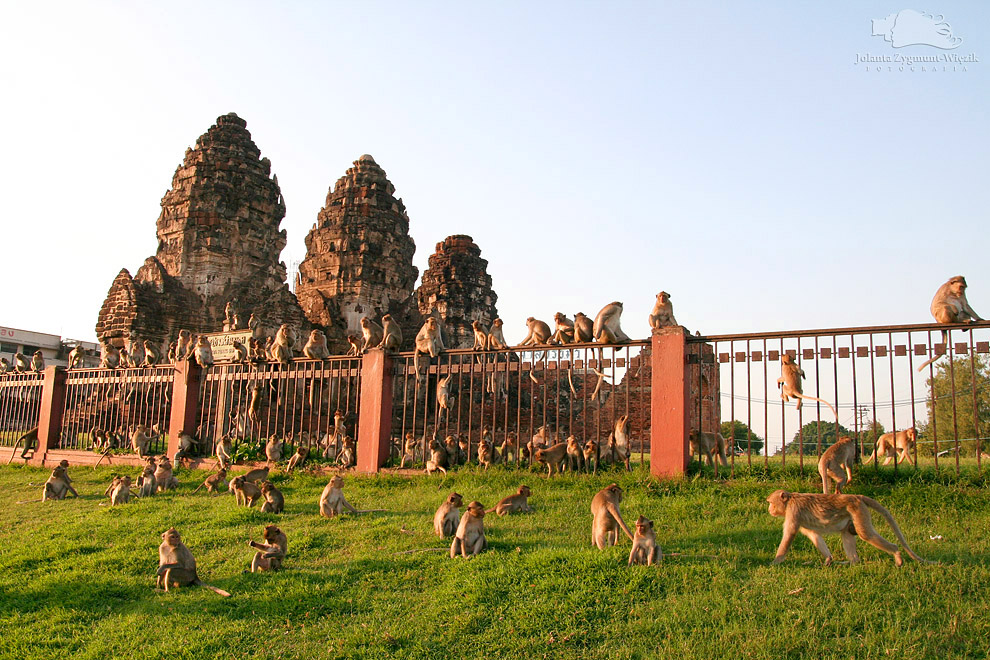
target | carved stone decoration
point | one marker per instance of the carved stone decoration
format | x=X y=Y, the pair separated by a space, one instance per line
x=359 y=255
x=458 y=285
x=218 y=242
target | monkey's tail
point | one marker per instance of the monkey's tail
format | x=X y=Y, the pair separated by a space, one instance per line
x=217 y=590
x=13 y=450
x=876 y=506
x=814 y=398
x=929 y=361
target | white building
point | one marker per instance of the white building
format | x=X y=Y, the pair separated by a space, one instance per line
x=52 y=347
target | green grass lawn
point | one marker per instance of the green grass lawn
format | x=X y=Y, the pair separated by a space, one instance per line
x=76 y=577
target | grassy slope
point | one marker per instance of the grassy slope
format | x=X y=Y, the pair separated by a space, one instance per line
x=75 y=577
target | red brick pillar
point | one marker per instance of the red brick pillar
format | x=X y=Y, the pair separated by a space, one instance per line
x=50 y=415
x=375 y=412
x=669 y=406
x=186 y=380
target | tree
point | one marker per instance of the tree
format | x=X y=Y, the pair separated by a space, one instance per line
x=950 y=409
x=741 y=438
x=830 y=434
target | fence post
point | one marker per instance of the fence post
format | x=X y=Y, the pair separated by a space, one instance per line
x=50 y=415
x=375 y=412
x=669 y=405
x=186 y=380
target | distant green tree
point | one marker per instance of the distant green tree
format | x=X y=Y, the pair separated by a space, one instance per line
x=741 y=437
x=950 y=406
x=809 y=434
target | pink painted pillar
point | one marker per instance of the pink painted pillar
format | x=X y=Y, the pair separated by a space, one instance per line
x=375 y=413
x=671 y=394
x=186 y=380
x=50 y=415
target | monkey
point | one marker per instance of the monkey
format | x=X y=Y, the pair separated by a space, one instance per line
x=273 y=449
x=281 y=350
x=408 y=450
x=38 y=362
x=203 y=353
x=900 y=441
x=224 y=450
x=836 y=463
x=448 y=516
x=141 y=440
x=257 y=475
x=481 y=336
x=348 y=452
x=355 y=349
x=619 y=446
x=708 y=444
x=443 y=396
x=583 y=329
x=372 y=333
x=455 y=455
x=121 y=491
x=164 y=477
x=645 y=549
x=553 y=457
x=173 y=349
x=254 y=404
x=240 y=351
x=575 y=457
x=316 y=347
x=270 y=350
x=135 y=349
x=298 y=458
x=214 y=483
x=146 y=482
x=606 y=329
x=391 y=334
x=496 y=340
x=64 y=464
x=102 y=441
x=4 y=365
x=176 y=565
x=113 y=484
x=950 y=306
x=539 y=332
x=152 y=353
x=246 y=492
x=813 y=515
x=428 y=341
x=508 y=449
x=486 y=451
x=76 y=357
x=608 y=519
x=662 y=315
x=274 y=500
x=57 y=485
x=109 y=356
x=30 y=440
x=517 y=503
x=564 y=330
x=329 y=445
x=438 y=457
x=470 y=539
x=21 y=363
x=332 y=500
x=254 y=325
x=592 y=455
x=188 y=444
x=258 y=350
x=184 y=346
x=790 y=384
x=228 y=316
x=270 y=553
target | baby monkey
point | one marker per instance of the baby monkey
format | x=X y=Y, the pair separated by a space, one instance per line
x=470 y=538
x=514 y=503
x=645 y=549
x=270 y=553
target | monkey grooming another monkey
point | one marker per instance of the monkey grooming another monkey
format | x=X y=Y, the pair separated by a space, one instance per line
x=470 y=537
x=270 y=553
x=662 y=315
x=176 y=565
x=813 y=515
x=836 y=464
x=645 y=549
x=57 y=485
x=950 y=306
x=517 y=503
x=448 y=516
x=790 y=383
x=607 y=518
x=245 y=492
x=901 y=441
x=120 y=492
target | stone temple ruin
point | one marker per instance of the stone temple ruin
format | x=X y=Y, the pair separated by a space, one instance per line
x=219 y=241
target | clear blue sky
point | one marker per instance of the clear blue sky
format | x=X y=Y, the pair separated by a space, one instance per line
x=733 y=154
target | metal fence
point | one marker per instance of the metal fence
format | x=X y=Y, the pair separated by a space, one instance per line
x=114 y=401
x=294 y=402
x=880 y=379
x=20 y=405
x=579 y=390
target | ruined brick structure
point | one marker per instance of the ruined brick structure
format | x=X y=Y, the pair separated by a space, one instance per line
x=359 y=255
x=218 y=241
x=458 y=286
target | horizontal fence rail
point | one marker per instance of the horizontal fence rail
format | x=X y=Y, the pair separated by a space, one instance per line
x=880 y=379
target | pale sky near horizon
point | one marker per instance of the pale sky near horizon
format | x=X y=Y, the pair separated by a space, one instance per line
x=736 y=156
